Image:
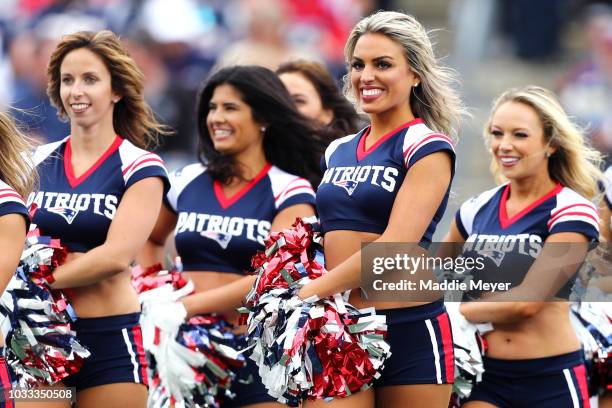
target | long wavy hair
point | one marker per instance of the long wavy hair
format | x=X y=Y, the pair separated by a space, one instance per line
x=290 y=142
x=16 y=165
x=574 y=164
x=133 y=119
x=345 y=120
x=434 y=100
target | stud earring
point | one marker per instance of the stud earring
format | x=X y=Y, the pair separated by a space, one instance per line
x=548 y=155
x=263 y=129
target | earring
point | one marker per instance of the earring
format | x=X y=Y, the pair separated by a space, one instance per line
x=263 y=129
x=548 y=155
x=416 y=84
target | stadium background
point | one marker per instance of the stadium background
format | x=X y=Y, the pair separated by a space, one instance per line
x=565 y=45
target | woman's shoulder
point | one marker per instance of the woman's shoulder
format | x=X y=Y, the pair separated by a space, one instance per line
x=10 y=197
x=183 y=177
x=335 y=144
x=572 y=212
x=187 y=172
x=418 y=135
x=4 y=187
x=479 y=200
x=280 y=178
x=286 y=185
x=42 y=152
x=570 y=197
x=130 y=152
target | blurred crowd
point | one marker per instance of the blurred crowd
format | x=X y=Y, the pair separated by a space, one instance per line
x=177 y=43
x=586 y=91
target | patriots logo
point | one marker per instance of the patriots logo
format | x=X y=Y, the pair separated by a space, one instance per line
x=222 y=239
x=69 y=214
x=496 y=256
x=348 y=185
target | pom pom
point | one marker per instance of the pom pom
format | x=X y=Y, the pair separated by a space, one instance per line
x=152 y=277
x=192 y=363
x=313 y=348
x=41 y=348
x=469 y=346
x=592 y=322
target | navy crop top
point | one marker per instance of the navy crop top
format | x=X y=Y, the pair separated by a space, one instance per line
x=359 y=187
x=220 y=234
x=12 y=203
x=509 y=246
x=79 y=211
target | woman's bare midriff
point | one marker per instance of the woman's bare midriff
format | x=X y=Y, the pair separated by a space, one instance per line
x=548 y=333
x=109 y=297
x=339 y=246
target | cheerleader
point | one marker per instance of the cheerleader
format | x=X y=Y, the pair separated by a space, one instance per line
x=16 y=181
x=602 y=278
x=403 y=163
x=533 y=357
x=605 y=282
x=100 y=193
x=257 y=159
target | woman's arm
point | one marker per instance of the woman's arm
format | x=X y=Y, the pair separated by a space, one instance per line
x=224 y=299
x=447 y=249
x=415 y=205
x=286 y=218
x=560 y=259
x=128 y=232
x=229 y=297
x=12 y=239
x=153 y=250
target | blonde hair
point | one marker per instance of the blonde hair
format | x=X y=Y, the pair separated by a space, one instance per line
x=574 y=164
x=133 y=119
x=434 y=100
x=16 y=164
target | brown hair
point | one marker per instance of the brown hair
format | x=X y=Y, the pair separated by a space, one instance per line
x=346 y=120
x=16 y=166
x=133 y=119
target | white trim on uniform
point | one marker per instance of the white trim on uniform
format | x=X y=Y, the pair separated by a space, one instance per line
x=469 y=209
x=335 y=144
x=44 y=151
x=571 y=206
x=134 y=158
x=434 y=346
x=572 y=387
x=130 y=350
x=9 y=195
x=179 y=179
x=285 y=185
x=417 y=136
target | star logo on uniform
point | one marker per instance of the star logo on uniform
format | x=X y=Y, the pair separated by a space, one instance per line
x=348 y=185
x=219 y=237
x=69 y=214
x=496 y=256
